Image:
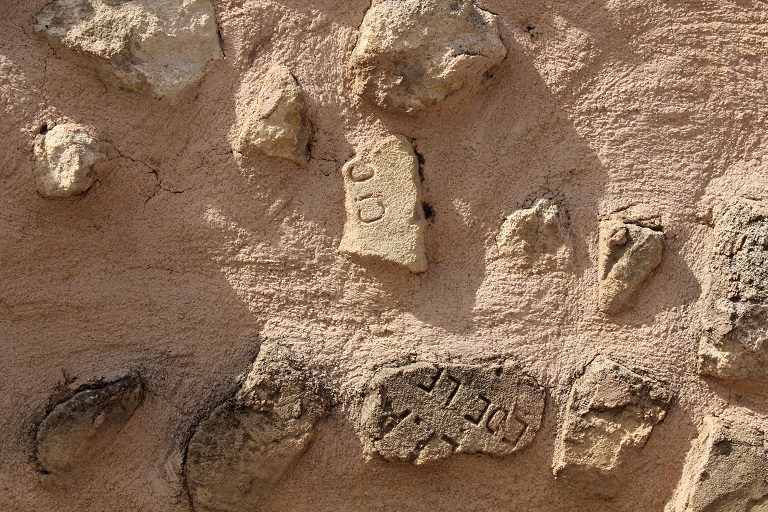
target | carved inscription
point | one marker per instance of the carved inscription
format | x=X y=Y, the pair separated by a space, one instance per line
x=423 y=412
x=385 y=219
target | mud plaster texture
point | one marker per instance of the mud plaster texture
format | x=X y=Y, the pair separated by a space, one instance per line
x=182 y=257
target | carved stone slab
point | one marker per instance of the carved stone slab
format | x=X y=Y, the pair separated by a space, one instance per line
x=385 y=217
x=424 y=412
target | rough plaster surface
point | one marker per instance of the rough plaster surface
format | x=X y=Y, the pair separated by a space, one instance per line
x=183 y=257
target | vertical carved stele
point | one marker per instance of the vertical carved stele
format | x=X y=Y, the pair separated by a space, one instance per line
x=385 y=217
x=424 y=412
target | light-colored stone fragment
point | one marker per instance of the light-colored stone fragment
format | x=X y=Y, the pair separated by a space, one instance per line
x=276 y=123
x=734 y=318
x=89 y=420
x=609 y=416
x=248 y=443
x=156 y=46
x=423 y=411
x=537 y=239
x=64 y=159
x=411 y=54
x=385 y=216
x=725 y=471
x=628 y=252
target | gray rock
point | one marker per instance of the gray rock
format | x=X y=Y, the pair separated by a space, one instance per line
x=609 y=416
x=424 y=412
x=247 y=444
x=155 y=46
x=734 y=316
x=77 y=427
x=628 y=252
x=725 y=471
x=411 y=54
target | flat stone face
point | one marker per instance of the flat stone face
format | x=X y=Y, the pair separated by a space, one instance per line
x=64 y=159
x=75 y=429
x=610 y=414
x=385 y=217
x=248 y=443
x=537 y=239
x=411 y=54
x=276 y=123
x=725 y=471
x=628 y=253
x=424 y=412
x=156 y=46
x=735 y=311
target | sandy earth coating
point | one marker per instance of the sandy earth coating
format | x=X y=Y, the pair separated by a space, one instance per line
x=184 y=256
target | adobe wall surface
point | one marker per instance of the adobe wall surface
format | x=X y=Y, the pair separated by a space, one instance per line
x=185 y=254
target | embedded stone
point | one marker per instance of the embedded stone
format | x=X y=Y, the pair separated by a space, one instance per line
x=411 y=54
x=276 y=123
x=156 y=46
x=385 y=217
x=64 y=159
x=537 y=239
x=248 y=443
x=80 y=426
x=424 y=412
x=628 y=253
x=724 y=471
x=609 y=416
x=733 y=321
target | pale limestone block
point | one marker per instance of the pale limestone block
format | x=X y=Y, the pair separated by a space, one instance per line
x=424 y=412
x=385 y=216
x=64 y=159
x=411 y=54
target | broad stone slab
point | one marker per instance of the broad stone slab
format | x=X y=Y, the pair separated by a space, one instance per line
x=725 y=471
x=80 y=426
x=276 y=123
x=628 y=252
x=609 y=416
x=424 y=412
x=248 y=443
x=537 y=239
x=155 y=46
x=64 y=160
x=735 y=312
x=411 y=54
x=385 y=216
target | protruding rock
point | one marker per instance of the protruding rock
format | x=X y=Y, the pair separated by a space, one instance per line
x=64 y=159
x=79 y=427
x=628 y=253
x=537 y=239
x=385 y=217
x=609 y=416
x=411 y=54
x=275 y=122
x=157 y=46
x=248 y=443
x=725 y=471
x=423 y=411
x=734 y=341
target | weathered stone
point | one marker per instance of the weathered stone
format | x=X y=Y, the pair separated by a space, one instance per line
x=423 y=411
x=276 y=123
x=78 y=427
x=537 y=239
x=609 y=415
x=411 y=54
x=64 y=159
x=628 y=253
x=156 y=46
x=385 y=217
x=248 y=443
x=734 y=319
x=725 y=471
